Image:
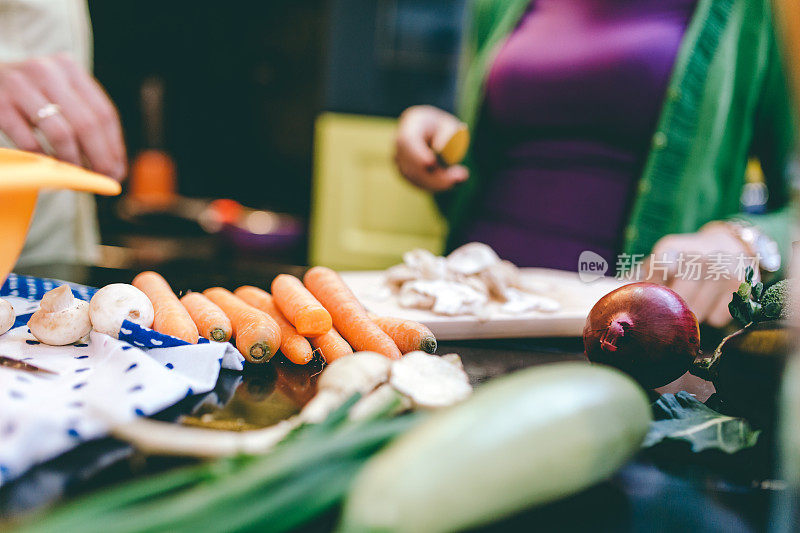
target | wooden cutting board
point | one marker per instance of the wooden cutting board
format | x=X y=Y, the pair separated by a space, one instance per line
x=575 y=296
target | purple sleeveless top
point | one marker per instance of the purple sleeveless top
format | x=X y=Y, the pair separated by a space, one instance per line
x=572 y=101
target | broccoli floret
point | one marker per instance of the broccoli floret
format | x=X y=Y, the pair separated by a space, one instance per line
x=777 y=302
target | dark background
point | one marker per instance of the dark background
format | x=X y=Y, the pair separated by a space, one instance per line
x=244 y=81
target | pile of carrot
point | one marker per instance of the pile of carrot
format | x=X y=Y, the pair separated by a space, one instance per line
x=316 y=315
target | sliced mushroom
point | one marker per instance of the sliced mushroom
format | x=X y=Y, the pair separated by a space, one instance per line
x=399 y=274
x=472 y=258
x=383 y=400
x=361 y=373
x=426 y=264
x=429 y=381
x=454 y=359
x=61 y=319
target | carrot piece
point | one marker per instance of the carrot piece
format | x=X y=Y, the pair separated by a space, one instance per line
x=211 y=322
x=293 y=345
x=331 y=345
x=299 y=306
x=257 y=335
x=408 y=335
x=171 y=318
x=349 y=317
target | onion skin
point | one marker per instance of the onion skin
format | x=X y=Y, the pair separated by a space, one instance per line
x=644 y=329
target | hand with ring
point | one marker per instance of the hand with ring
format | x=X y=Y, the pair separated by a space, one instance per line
x=68 y=106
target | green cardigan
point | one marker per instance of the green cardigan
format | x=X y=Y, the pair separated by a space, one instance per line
x=727 y=100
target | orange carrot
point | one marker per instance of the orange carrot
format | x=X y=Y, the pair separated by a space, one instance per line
x=298 y=305
x=349 y=317
x=258 y=337
x=293 y=345
x=211 y=322
x=170 y=316
x=331 y=345
x=409 y=336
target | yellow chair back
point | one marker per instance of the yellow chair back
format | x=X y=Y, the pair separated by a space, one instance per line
x=364 y=214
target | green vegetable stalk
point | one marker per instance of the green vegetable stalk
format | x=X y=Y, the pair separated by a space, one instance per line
x=304 y=476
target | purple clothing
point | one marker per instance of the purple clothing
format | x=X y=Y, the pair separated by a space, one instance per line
x=572 y=100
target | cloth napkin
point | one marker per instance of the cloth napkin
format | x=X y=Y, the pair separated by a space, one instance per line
x=100 y=383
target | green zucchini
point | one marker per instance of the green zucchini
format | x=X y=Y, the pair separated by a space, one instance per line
x=525 y=439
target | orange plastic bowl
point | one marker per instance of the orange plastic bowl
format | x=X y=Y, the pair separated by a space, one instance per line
x=22 y=174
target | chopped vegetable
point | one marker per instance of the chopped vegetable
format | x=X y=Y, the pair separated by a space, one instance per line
x=258 y=336
x=349 y=316
x=522 y=440
x=7 y=316
x=409 y=336
x=61 y=319
x=331 y=345
x=171 y=318
x=211 y=321
x=299 y=306
x=293 y=345
x=645 y=330
x=115 y=303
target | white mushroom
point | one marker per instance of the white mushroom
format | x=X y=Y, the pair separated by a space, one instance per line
x=361 y=372
x=7 y=316
x=471 y=258
x=429 y=381
x=384 y=399
x=425 y=264
x=399 y=274
x=453 y=359
x=117 y=302
x=61 y=318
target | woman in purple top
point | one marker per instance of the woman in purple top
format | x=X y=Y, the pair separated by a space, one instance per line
x=572 y=100
x=570 y=106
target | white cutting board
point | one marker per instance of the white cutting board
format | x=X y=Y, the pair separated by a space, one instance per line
x=575 y=296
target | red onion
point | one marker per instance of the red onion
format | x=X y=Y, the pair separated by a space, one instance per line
x=645 y=330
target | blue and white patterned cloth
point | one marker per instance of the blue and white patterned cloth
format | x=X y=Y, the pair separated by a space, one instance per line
x=101 y=382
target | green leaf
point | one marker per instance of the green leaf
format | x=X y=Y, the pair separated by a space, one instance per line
x=758 y=291
x=740 y=308
x=681 y=417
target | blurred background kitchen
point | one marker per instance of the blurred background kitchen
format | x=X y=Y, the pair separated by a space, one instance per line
x=244 y=118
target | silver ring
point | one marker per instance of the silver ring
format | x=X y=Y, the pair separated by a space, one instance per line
x=46 y=111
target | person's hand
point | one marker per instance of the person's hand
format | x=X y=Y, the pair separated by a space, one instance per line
x=414 y=155
x=68 y=106
x=705 y=268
